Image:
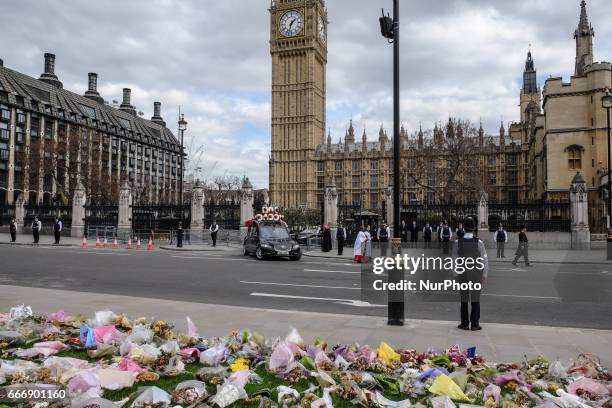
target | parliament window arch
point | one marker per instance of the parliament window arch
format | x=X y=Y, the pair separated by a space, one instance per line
x=574 y=157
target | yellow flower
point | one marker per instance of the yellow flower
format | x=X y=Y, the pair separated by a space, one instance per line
x=240 y=364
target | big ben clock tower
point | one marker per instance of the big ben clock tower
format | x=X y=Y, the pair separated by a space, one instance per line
x=298 y=45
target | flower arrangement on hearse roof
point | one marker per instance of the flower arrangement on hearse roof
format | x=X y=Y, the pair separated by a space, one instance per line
x=268 y=213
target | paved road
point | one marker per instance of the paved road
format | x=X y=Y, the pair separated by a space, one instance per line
x=535 y=296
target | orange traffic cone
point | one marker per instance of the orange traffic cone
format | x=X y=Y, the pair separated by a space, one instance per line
x=150 y=246
x=84 y=243
x=129 y=243
x=115 y=244
x=138 y=246
x=105 y=243
x=98 y=242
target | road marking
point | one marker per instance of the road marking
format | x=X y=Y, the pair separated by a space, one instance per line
x=348 y=302
x=330 y=271
x=204 y=257
x=298 y=285
x=329 y=263
x=522 y=296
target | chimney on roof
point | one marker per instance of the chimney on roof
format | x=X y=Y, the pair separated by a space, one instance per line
x=49 y=75
x=157 y=118
x=92 y=88
x=126 y=105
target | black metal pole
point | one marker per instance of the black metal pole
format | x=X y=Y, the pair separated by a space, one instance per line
x=609 y=220
x=395 y=308
x=179 y=236
x=609 y=173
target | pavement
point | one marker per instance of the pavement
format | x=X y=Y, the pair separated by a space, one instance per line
x=497 y=342
x=536 y=256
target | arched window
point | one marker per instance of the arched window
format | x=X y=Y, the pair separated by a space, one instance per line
x=574 y=157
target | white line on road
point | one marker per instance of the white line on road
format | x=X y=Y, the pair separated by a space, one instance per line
x=329 y=263
x=331 y=271
x=348 y=302
x=299 y=286
x=207 y=257
x=522 y=296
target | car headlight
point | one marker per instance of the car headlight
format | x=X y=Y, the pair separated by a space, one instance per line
x=295 y=246
x=266 y=246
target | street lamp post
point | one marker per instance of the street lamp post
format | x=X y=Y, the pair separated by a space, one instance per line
x=182 y=126
x=606 y=102
x=390 y=29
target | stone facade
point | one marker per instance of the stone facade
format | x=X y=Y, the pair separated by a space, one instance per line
x=298 y=45
x=561 y=131
x=53 y=140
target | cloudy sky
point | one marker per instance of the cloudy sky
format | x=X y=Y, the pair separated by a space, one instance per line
x=460 y=57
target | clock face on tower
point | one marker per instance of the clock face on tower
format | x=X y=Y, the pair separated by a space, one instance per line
x=322 y=34
x=291 y=23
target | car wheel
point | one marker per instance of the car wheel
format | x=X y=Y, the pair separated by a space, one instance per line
x=296 y=257
x=259 y=254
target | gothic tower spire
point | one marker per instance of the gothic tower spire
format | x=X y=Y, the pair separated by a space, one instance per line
x=530 y=82
x=584 y=41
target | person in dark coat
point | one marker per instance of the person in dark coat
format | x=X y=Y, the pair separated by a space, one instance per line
x=439 y=234
x=447 y=235
x=427 y=232
x=414 y=235
x=404 y=231
x=470 y=247
x=36 y=227
x=501 y=237
x=460 y=231
x=327 y=240
x=214 y=230
x=523 y=248
x=340 y=238
x=57 y=230
x=13 y=230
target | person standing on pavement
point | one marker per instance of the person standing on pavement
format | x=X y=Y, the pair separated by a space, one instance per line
x=460 y=231
x=13 y=230
x=326 y=245
x=447 y=234
x=414 y=235
x=404 y=231
x=340 y=238
x=523 y=247
x=501 y=237
x=57 y=230
x=427 y=231
x=439 y=234
x=360 y=243
x=36 y=227
x=470 y=247
x=214 y=230
x=383 y=238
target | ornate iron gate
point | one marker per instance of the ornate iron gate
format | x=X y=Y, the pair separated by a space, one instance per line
x=434 y=214
x=542 y=216
x=47 y=214
x=349 y=218
x=226 y=214
x=160 y=217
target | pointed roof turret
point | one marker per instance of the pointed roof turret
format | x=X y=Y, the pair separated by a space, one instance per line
x=584 y=41
x=329 y=136
x=350 y=135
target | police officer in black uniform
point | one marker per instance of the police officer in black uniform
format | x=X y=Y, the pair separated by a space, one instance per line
x=340 y=237
x=468 y=246
x=427 y=231
x=57 y=230
x=13 y=230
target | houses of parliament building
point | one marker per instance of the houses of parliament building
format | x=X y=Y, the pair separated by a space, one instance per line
x=562 y=131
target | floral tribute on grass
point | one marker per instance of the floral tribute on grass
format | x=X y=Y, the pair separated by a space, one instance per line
x=110 y=361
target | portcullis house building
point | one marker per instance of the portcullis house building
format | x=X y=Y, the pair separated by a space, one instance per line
x=52 y=139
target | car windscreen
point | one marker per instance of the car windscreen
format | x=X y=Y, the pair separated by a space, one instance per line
x=274 y=231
